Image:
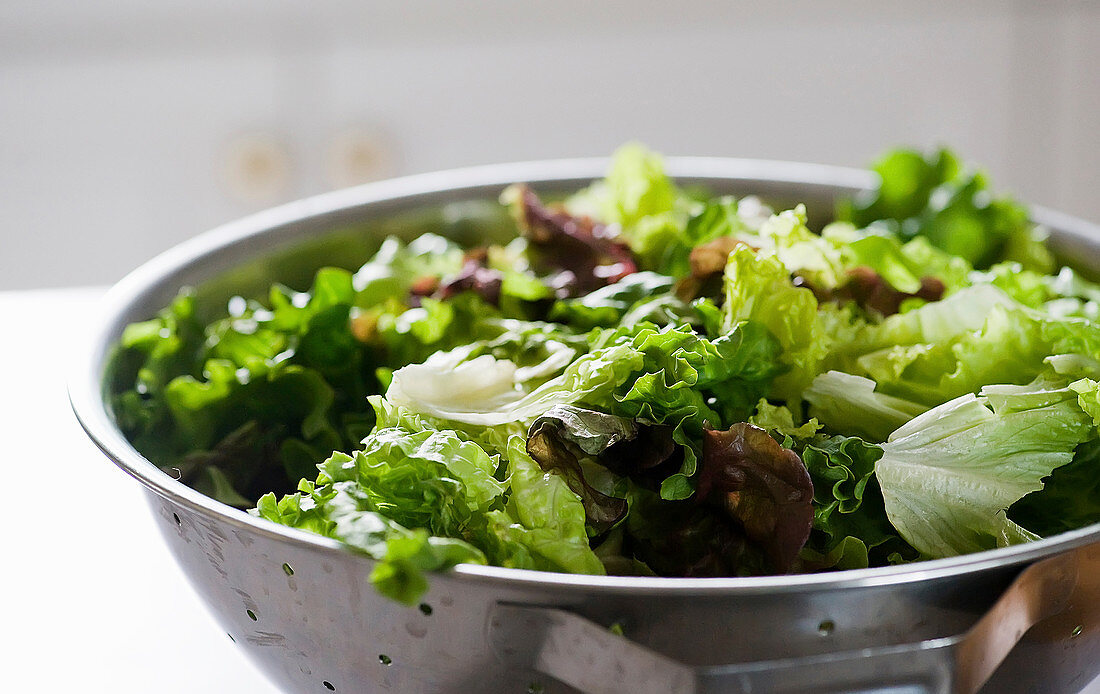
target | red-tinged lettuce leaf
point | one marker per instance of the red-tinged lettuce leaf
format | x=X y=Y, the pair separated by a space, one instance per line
x=688 y=539
x=566 y=435
x=554 y=453
x=474 y=276
x=874 y=294
x=761 y=484
x=577 y=253
x=644 y=203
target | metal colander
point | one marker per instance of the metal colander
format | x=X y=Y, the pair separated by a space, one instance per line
x=1021 y=619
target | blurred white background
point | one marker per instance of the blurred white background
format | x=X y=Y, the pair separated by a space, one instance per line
x=127 y=126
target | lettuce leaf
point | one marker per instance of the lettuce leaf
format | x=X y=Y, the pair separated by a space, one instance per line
x=488 y=393
x=849 y=403
x=341 y=510
x=758 y=288
x=549 y=517
x=563 y=437
x=779 y=421
x=255 y=398
x=828 y=261
x=606 y=307
x=948 y=475
x=428 y=500
x=573 y=255
x=902 y=265
x=952 y=347
x=680 y=377
x=851 y=529
x=395 y=268
x=935 y=197
x=637 y=186
x=1069 y=499
x=641 y=200
x=800 y=250
x=1026 y=287
x=763 y=486
x=963 y=312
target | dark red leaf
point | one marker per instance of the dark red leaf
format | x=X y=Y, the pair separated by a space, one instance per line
x=871 y=292
x=565 y=435
x=578 y=253
x=762 y=485
x=555 y=452
x=474 y=277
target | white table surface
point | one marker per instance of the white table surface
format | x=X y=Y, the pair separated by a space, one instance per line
x=97 y=604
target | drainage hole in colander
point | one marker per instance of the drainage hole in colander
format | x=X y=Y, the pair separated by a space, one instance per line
x=251 y=615
x=231 y=637
x=287 y=569
x=329 y=686
x=826 y=627
x=425 y=609
x=385 y=659
x=176 y=518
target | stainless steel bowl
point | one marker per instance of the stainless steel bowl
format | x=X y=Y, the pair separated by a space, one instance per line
x=300 y=606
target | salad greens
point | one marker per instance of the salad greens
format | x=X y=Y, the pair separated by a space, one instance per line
x=646 y=380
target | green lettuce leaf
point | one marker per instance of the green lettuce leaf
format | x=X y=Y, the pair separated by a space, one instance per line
x=937 y=198
x=714 y=219
x=637 y=186
x=393 y=270
x=951 y=347
x=342 y=511
x=851 y=529
x=948 y=475
x=963 y=312
x=758 y=288
x=902 y=265
x=779 y=420
x=550 y=517
x=427 y=500
x=485 y=391
x=849 y=403
x=1069 y=499
x=800 y=250
x=1026 y=287
x=637 y=196
x=680 y=377
x=606 y=306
